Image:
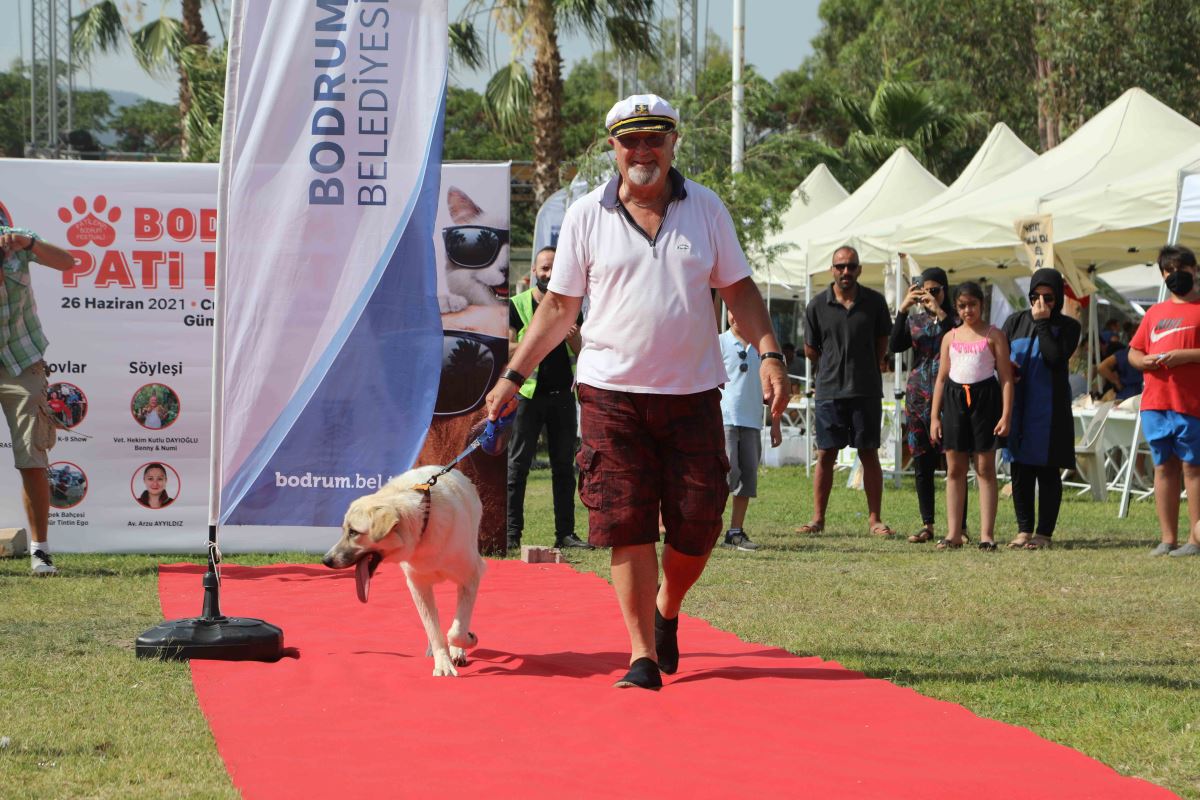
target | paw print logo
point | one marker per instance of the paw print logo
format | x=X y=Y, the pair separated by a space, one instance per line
x=91 y=227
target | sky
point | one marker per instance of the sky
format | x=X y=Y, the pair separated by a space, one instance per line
x=778 y=33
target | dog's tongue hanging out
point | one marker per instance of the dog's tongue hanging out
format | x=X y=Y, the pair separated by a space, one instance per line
x=363 y=571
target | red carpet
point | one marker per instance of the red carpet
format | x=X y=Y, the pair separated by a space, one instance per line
x=355 y=712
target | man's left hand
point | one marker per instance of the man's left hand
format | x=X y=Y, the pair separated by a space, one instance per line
x=775 y=385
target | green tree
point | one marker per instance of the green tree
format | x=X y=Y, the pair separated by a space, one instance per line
x=910 y=115
x=158 y=45
x=205 y=68
x=147 y=127
x=468 y=135
x=14 y=112
x=1042 y=66
x=92 y=111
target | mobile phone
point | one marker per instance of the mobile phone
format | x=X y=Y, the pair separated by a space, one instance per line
x=916 y=283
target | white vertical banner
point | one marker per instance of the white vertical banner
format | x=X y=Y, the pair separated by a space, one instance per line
x=330 y=342
x=130 y=353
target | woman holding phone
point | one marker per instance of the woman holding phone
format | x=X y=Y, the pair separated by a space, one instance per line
x=925 y=316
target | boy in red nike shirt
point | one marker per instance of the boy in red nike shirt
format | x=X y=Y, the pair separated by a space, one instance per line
x=1167 y=348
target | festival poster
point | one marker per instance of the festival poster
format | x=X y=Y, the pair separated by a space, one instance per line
x=131 y=328
x=130 y=354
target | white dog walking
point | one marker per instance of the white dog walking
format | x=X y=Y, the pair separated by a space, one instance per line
x=434 y=535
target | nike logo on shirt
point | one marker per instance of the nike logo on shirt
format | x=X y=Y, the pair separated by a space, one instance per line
x=1156 y=336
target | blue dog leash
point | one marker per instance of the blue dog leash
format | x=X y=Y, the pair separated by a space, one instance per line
x=491 y=440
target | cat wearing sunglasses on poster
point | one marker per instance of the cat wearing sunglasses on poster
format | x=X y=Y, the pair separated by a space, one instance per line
x=476 y=256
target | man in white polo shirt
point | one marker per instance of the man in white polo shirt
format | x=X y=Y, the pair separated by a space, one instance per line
x=647 y=249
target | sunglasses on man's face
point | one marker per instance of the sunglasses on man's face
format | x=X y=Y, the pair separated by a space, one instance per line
x=652 y=140
x=473 y=246
x=470 y=367
x=847 y=266
x=1048 y=299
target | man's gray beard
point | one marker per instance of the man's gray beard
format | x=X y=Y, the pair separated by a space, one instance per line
x=644 y=174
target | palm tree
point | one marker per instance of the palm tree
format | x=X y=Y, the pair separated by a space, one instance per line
x=517 y=103
x=912 y=115
x=158 y=45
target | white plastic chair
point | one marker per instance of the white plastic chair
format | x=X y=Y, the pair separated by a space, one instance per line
x=1090 y=455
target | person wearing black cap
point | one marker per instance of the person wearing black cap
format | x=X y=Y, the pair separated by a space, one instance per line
x=647 y=249
x=1041 y=439
x=922 y=331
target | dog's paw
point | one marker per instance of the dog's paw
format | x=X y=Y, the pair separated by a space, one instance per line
x=458 y=656
x=443 y=666
x=451 y=303
x=463 y=641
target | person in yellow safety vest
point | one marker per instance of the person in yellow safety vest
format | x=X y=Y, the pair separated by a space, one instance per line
x=546 y=400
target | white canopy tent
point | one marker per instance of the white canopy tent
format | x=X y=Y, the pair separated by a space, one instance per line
x=1095 y=227
x=1138 y=284
x=1133 y=135
x=900 y=183
x=1001 y=153
x=815 y=195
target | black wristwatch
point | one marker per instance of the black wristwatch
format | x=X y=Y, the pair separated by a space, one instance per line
x=514 y=376
x=773 y=355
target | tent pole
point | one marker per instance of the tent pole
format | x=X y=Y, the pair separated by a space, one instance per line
x=897 y=392
x=808 y=392
x=1123 y=511
x=1093 y=382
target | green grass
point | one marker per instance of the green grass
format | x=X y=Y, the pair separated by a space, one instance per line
x=1092 y=644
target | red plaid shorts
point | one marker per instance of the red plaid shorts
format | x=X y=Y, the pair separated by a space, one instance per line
x=643 y=452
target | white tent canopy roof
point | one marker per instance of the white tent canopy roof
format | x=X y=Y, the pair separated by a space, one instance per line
x=1129 y=140
x=898 y=184
x=1001 y=153
x=815 y=195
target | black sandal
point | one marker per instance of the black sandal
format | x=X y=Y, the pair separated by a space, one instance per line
x=947 y=544
x=923 y=535
x=987 y=546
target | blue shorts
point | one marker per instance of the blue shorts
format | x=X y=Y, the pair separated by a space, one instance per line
x=1172 y=434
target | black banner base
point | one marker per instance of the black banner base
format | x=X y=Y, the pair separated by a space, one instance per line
x=222 y=639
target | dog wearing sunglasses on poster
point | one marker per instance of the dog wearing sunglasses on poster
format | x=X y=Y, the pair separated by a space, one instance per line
x=476 y=251
x=432 y=532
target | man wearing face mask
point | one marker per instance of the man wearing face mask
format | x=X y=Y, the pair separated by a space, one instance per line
x=546 y=400
x=1166 y=348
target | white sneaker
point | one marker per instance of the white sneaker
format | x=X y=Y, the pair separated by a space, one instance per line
x=1163 y=549
x=1188 y=549
x=42 y=564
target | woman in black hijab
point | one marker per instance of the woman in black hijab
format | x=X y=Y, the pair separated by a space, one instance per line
x=1041 y=440
x=922 y=330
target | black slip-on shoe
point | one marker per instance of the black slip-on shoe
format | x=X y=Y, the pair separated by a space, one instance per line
x=643 y=674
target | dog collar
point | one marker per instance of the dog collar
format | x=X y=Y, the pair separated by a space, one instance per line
x=426 y=490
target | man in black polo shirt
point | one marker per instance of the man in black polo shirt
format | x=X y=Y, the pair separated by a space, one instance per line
x=845 y=336
x=546 y=399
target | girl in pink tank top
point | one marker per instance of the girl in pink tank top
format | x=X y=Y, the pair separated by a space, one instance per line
x=972 y=406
